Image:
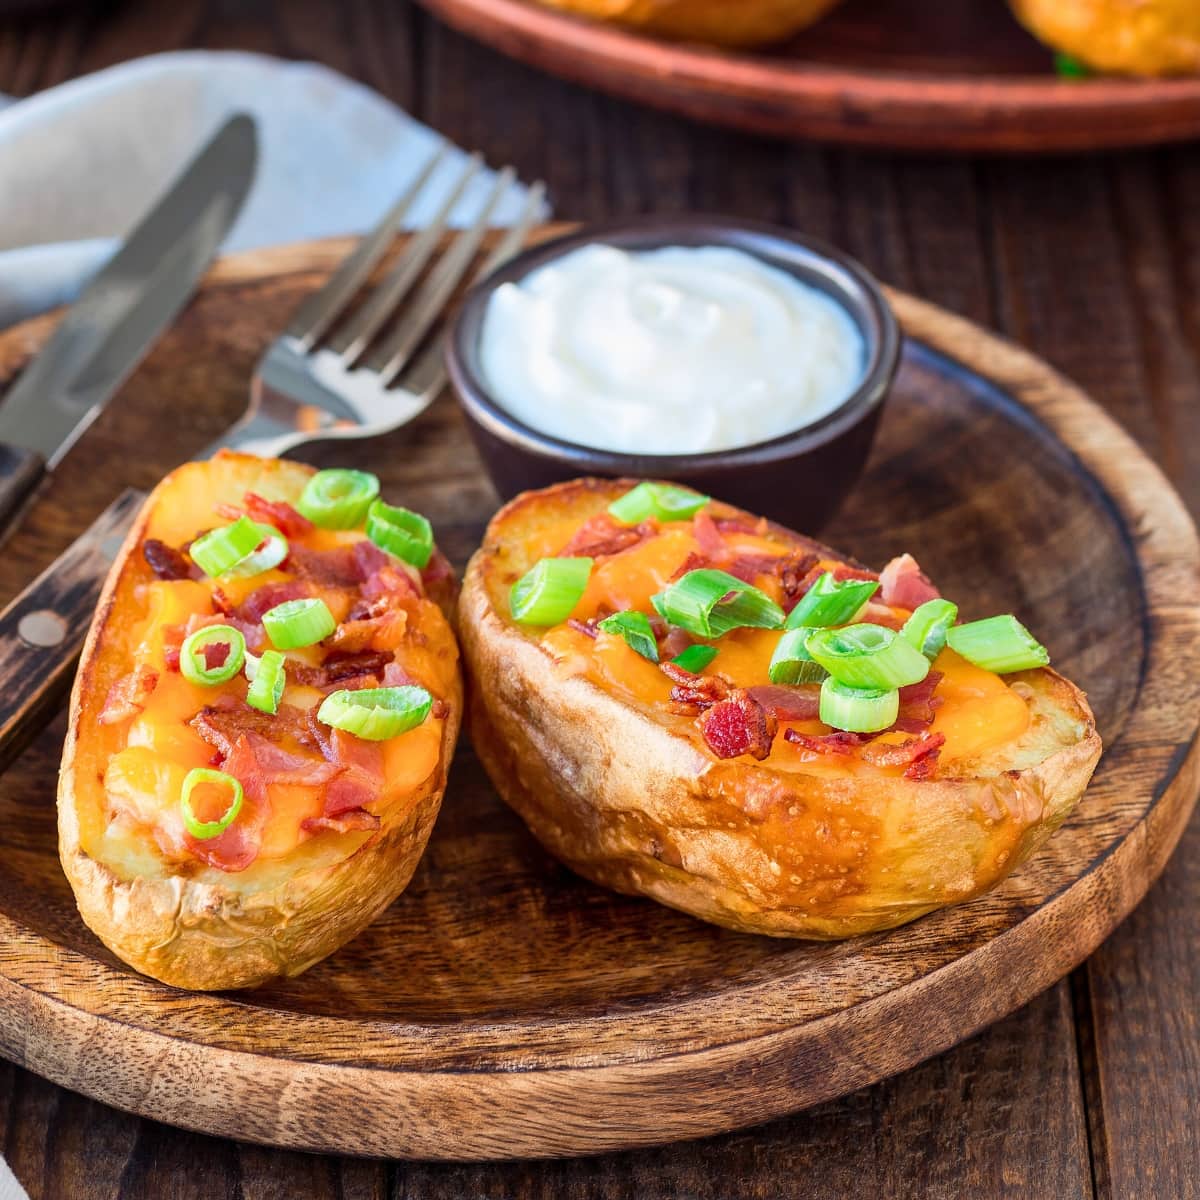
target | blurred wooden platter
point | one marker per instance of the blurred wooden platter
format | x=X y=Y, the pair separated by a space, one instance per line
x=505 y=1008
x=903 y=74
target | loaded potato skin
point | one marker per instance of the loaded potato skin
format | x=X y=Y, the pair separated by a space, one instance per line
x=618 y=778
x=747 y=23
x=332 y=827
x=1130 y=37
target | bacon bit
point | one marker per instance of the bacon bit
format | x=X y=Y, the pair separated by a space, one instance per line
x=674 y=642
x=748 y=567
x=693 y=693
x=587 y=628
x=602 y=536
x=693 y=562
x=338 y=667
x=840 y=741
x=389 y=582
x=360 y=781
x=394 y=675
x=278 y=513
x=231 y=512
x=708 y=536
x=215 y=654
x=793 y=571
x=911 y=750
x=222 y=603
x=222 y=723
x=168 y=563
x=801 y=703
x=355 y=819
x=363 y=633
x=738 y=725
x=917 y=700
x=758 y=528
x=332 y=568
x=904 y=584
x=127 y=697
x=265 y=598
x=924 y=768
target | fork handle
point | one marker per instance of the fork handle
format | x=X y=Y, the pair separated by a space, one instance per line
x=21 y=471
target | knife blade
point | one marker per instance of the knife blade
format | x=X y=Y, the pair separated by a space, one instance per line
x=121 y=313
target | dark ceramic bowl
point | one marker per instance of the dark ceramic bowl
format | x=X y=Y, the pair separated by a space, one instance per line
x=799 y=479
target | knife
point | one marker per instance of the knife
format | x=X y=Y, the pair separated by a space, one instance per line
x=120 y=314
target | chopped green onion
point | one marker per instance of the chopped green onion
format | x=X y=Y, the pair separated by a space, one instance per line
x=193 y=661
x=830 y=602
x=296 y=623
x=858 y=710
x=266 y=681
x=867 y=656
x=791 y=663
x=695 y=658
x=548 y=592
x=926 y=629
x=406 y=534
x=1001 y=644
x=634 y=627
x=203 y=830
x=376 y=714
x=661 y=500
x=1067 y=66
x=709 y=603
x=216 y=551
x=338 y=499
x=271 y=550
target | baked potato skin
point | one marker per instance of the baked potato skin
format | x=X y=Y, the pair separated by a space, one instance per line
x=196 y=933
x=634 y=804
x=716 y=22
x=1132 y=37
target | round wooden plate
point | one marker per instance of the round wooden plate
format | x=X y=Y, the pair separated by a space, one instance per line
x=503 y=1007
x=906 y=74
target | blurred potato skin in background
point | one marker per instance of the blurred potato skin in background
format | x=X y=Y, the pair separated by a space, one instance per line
x=719 y=22
x=1129 y=37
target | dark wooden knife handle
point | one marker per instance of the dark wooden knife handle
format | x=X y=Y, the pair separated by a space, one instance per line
x=20 y=472
x=42 y=630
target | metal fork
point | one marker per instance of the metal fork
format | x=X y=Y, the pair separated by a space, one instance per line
x=384 y=366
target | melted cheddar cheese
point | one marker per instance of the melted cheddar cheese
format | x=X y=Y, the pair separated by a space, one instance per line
x=148 y=753
x=977 y=711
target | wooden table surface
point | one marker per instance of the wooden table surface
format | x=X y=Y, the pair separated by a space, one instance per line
x=1094 y=1088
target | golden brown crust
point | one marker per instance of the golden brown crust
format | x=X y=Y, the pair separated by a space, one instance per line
x=746 y=23
x=636 y=805
x=1134 y=37
x=207 y=933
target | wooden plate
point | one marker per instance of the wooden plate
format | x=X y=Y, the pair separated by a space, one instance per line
x=899 y=73
x=505 y=1008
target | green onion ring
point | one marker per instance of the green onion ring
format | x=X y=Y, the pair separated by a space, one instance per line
x=709 y=603
x=193 y=664
x=218 y=550
x=401 y=532
x=661 y=500
x=338 y=498
x=548 y=592
x=867 y=656
x=202 y=831
x=1000 y=644
x=695 y=658
x=634 y=628
x=266 y=681
x=376 y=714
x=858 y=710
x=296 y=623
x=831 y=602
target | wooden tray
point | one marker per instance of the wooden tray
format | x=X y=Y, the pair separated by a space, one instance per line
x=908 y=74
x=505 y=1008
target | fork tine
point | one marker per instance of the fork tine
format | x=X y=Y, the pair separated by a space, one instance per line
x=383 y=300
x=321 y=309
x=427 y=375
x=440 y=287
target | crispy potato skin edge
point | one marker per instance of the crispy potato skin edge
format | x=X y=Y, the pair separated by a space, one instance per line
x=636 y=807
x=206 y=936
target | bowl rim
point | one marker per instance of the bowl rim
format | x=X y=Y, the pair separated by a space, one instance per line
x=810 y=259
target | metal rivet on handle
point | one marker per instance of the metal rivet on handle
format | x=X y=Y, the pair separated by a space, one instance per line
x=42 y=628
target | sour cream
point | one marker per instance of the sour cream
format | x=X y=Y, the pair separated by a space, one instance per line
x=672 y=351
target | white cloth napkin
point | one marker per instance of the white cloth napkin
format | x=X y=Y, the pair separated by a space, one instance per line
x=81 y=162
